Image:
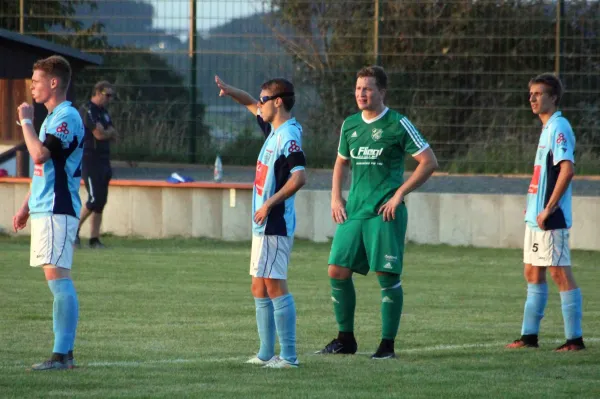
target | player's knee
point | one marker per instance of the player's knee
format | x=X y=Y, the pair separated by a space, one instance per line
x=276 y=287
x=339 y=272
x=534 y=274
x=96 y=206
x=563 y=278
x=388 y=280
x=258 y=288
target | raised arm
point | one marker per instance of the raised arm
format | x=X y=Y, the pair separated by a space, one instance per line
x=238 y=95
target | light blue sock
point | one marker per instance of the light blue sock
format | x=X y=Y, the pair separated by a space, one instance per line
x=265 y=321
x=571 y=302
x=537 y=296
x=65 y=314
x=285 y=320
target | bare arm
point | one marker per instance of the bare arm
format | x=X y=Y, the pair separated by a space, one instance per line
x=238 y=95
x=427 y=164
x=22 y=215
x=338 y=204
x=25 y=205
x=39 y=153
x=100 y=133
x=294 y=183
x=565 y=175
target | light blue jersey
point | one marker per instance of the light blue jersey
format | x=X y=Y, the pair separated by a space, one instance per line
x=557 y=143
x=280 y=156
x=55 y=183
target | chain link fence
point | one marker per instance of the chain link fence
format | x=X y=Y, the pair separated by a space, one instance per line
x=458 y=69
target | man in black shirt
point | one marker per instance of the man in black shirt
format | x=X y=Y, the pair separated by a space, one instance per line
x=96 y=171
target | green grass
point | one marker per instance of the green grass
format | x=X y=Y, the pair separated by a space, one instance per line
x=175 y=318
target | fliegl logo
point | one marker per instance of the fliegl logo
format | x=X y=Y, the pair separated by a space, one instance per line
x=365 y=153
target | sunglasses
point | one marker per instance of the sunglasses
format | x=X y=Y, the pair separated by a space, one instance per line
x=109 y=95
x=265 y=99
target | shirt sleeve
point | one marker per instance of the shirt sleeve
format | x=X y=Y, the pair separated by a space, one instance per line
x=343 y=151
x=412 y=140
x=63 y=126
x=563 y=142
x=88 y=117
x=264 y=126
x=107 y=122
x=294 y=155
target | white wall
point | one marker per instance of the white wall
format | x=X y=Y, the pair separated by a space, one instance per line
x=224 y=213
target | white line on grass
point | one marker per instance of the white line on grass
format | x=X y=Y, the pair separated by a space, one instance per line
x=134 y=363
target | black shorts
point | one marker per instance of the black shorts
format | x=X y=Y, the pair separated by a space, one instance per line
x=96 y=177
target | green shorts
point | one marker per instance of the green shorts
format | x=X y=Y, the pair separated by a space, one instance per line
x=370 y=244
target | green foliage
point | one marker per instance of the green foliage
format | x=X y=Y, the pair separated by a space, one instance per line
x=152 y=108
x=459 y=70
x=244 y=148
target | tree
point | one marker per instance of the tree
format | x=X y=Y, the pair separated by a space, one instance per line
x=55 y=21
x=458 y=69
x=152 y=108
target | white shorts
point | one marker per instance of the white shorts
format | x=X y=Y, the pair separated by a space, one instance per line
x=52 y=239
x=270 y=256
x=547 y=248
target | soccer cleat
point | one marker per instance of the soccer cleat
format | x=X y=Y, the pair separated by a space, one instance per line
x=526 y=341
x=49 y=365
x=258 y=361
x=385 y=350
x=70 y=360
x=337 y=347
x=97 y=245
x=571 y=345
x=280 y=363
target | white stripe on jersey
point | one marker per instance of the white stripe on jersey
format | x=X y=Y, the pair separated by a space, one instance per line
x=341 y=135
x=412 y=131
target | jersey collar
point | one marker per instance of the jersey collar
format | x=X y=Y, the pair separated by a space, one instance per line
x=378 y=117
x=288 y=122
x=60 y=106
x=554 y=116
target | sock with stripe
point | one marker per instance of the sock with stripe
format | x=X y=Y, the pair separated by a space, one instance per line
x=343 y=297
x=392 y=298
x=537 y=297
x=265 y=321
x=285 y=321
x=65 y=314
x=572 y=303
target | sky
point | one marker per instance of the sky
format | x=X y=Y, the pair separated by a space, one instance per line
x=172 y=15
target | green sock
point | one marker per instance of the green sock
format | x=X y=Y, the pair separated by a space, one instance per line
x=344 y=302
x=392 y=298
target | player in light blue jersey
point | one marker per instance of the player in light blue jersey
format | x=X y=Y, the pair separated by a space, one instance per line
x=279 y=175
x=53 y=201
x=548 y=220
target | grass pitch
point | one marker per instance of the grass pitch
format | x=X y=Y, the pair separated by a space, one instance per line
x=175 y=318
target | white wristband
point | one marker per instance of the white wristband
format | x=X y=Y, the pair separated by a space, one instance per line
x=26 y=122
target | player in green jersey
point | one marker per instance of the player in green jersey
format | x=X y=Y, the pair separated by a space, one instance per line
x=372 y=224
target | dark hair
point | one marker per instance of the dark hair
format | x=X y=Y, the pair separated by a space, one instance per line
x=57 y=67
x=553 y=82
x=374 y=71
x=280 y=86
x=102 y=85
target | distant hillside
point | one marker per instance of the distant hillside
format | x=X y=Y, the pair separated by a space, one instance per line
x=229 y=50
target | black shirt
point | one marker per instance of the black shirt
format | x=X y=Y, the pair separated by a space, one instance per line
x=94 y=149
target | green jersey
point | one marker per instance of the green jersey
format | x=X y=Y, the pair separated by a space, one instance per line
x=376 y=149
